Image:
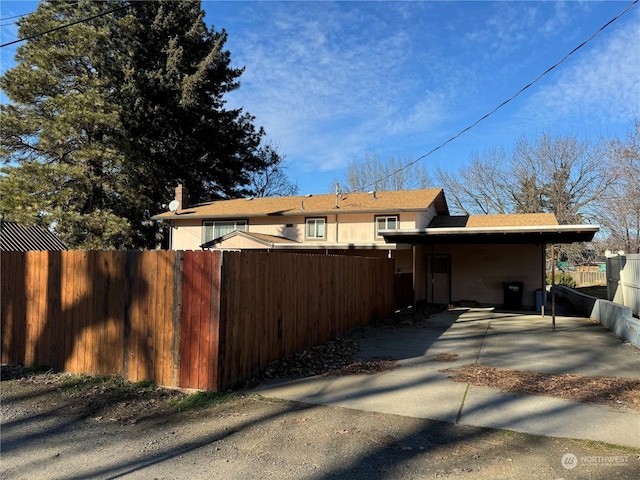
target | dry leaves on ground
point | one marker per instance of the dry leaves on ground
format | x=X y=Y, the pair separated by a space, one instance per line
x=330 y=358
x=612 y=391
x=446 y=357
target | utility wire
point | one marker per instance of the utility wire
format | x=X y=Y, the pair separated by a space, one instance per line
x=484 y=117
x=15 y=22
x=29 y=13
x=68 y=25
x=15 y=16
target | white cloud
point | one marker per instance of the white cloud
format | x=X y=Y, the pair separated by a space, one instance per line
x=324 y=82
x=602 y=83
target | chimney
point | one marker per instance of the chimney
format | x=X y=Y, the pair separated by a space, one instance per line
x=182 y=197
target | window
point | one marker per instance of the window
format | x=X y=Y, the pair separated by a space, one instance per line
x=315 y=228
x=386 y=223
x=213 y=230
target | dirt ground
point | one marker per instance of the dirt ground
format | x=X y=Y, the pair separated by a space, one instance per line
x=60 y=426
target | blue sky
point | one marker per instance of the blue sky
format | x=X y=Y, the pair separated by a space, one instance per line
x=333 y=81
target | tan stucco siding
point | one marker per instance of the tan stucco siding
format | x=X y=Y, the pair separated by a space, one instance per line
x=340 y=228
x=186 y=235
x=404 y=260
x=288 y=227
x=478 y=271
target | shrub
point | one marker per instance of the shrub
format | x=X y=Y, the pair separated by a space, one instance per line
x=562 y=278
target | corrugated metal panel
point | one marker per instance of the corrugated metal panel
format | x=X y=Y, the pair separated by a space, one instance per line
x=16 y=238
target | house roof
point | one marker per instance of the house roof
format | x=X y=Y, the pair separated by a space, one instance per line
x=511 y=220
x=380 y=202
x=16 y=238
x=262 y=238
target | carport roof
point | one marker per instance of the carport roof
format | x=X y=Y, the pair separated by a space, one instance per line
x=502 y=229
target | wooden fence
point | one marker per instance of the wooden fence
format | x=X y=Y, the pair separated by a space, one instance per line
x=195 y=319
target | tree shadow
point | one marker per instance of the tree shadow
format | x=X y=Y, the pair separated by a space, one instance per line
x=80 y=312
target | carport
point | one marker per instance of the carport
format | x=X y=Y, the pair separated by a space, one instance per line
x=458 y=262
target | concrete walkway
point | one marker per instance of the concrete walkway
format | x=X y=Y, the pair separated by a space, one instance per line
x=420 y=388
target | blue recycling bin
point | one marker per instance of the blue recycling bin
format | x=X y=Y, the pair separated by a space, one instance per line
x=538 y=299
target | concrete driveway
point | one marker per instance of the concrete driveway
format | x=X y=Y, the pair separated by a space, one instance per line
x=420 y=388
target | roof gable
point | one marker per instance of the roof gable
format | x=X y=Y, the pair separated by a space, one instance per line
x=260 y=238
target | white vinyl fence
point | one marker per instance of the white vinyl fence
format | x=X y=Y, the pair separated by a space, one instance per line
x=623 y=280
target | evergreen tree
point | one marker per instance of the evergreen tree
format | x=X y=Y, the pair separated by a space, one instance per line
x=59 y=134
x=174 y=116
x=108 y=115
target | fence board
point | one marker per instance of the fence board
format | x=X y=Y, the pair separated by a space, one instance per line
x=204 y=325
x=164 y=322
x=113 y=268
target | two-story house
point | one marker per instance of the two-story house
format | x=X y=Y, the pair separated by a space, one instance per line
x=449 y=258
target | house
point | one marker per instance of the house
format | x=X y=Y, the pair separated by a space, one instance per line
x=449 y=259
x=16 y=238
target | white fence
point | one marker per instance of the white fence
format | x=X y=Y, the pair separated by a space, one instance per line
x=623 y=280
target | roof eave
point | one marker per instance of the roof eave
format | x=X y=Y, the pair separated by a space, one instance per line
x=522 y=234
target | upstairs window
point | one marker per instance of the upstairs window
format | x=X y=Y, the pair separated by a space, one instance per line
x=315 y=229
x=213 y=230
x=386 y=223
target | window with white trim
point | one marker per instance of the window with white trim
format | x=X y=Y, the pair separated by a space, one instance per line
x=213 y=230
x=386 y=223
x=315 y=228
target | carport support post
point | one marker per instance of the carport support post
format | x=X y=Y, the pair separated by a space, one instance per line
x=553 y=287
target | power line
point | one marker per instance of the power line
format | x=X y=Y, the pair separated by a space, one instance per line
x=15 y=16
x=68 y=25
x=484 y=117
x=24 y=15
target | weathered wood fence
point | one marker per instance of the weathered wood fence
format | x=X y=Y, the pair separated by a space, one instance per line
x=194 y=319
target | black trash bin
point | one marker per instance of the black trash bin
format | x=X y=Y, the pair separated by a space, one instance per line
x=512 y=295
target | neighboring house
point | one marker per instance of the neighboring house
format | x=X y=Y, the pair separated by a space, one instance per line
x=451 y=259
x=16 y=238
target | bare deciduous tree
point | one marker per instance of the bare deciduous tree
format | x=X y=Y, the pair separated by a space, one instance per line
x=272 y=180
x=620 y=212
x=371 y=173
x=563 y=175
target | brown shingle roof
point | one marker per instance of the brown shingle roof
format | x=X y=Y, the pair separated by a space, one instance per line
x=479 y=221
x=269 y=238
x=401 y=200
x=512 y=220
x=261 y=237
